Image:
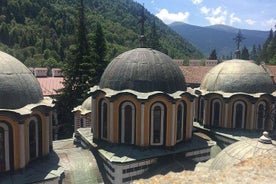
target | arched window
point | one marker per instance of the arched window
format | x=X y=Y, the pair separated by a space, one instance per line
x=35 y=137
x=157 y=124
x=6 y=148
x=261 y=115
x=201 y=110
x=216 y=113
x=82 y=122
x=239 y=115
x=33 y=140
x=2 y=150
x=127 y=123
x=181 y=122
x=103 y=120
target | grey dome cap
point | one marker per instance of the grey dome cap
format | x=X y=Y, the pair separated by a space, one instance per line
x=238 y=76
x=143 y=70
x=86 y=105
x=240 y=151
x=18 y=86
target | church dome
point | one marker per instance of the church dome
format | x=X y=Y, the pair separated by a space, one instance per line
x=238 y=76
x=143 y=70
x=243 y=150
x=86 y=105
x=18 y=86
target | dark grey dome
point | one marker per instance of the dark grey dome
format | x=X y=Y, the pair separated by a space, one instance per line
x=143 y=70
x=18 y=86
x=238 y=76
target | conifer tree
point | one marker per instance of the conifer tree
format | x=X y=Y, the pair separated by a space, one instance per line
x=213 y=55
x=238 y=39
x=244 y=53
x=264 y=50
x=254 y=55
x=99 y=48
x=76 y=73
x=154 y=38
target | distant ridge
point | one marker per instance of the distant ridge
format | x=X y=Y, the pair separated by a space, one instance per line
x=219 y=37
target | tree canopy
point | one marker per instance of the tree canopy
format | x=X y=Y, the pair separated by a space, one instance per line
x=41 y=32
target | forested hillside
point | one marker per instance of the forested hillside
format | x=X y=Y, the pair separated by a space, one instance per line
x=218 y=37
x=41 y=32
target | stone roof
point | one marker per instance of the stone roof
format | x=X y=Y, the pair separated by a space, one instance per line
x=140 y=95
x=238 y=76
x=259 y=169
x=18 y=86
x=243 y=150
x=143 y=70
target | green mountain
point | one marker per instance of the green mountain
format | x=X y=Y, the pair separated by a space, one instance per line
x=219 y=37
x=41 y=32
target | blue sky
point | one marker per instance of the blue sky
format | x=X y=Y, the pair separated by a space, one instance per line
x=243 y=14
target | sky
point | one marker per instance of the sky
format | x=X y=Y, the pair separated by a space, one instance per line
x=242 y=14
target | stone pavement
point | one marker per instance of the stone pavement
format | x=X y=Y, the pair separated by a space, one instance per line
x=67 y=164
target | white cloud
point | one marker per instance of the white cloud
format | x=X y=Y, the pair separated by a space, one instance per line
x=216 y=11
x=250 y=21
x=215 y=15
x=217 y=19
x=197 y=1
x=168 y=18
x=271 y=23
x=234 y=19
x=205 y=10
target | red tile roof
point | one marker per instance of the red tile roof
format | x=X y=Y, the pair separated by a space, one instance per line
x=194 y=74
x=50 y=85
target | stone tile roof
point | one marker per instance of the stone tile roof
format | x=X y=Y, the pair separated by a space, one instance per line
x=259 y=169
x=50 y=85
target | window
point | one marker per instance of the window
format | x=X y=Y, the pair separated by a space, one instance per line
x=181 y=122
x=239 y=114
x=261 y=115
x=157 y=124
x=32 y=139
x=35 y=137
x=6 y=149
x=216 y=113
x=2 y=149
x=103 y=120
x=127 y=123
x=82 y=123
x=201 y=110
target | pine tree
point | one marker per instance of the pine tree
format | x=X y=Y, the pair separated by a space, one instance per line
x=245 y=53
x=213 y=55
x=238 y=39
x=253 y=54
x=154 y=38
x=76 y=72
x=271 y=49
x=99 y=48
x=264 y=53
